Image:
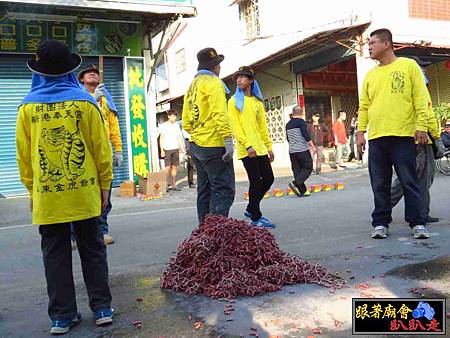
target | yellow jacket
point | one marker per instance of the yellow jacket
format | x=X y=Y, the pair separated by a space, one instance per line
x=250 y=126
x=433 y=122
x=64 y=159
x=112 y=125
x=393 y=100
x=205 y=114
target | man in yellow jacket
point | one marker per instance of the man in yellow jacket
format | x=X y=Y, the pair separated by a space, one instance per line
x=254 y=146
x=64 y=161
x=205 y=118
x=393 y=108
x=89 y=77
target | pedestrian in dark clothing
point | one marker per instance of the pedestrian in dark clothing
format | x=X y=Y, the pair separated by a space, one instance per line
x=190 y=161
x=445 y=136
x=300 y=144
x=316 y=132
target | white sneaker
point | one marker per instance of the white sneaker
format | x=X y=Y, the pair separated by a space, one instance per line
x=380 y=232
x=420 y=232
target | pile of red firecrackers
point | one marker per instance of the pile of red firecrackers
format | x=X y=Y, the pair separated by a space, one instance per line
x=225 y=258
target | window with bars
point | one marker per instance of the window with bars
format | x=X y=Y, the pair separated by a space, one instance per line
x=249 y=17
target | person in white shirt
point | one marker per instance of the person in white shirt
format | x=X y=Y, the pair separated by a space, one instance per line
x=172 y=143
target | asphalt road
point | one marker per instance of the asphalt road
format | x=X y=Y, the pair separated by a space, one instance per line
x=330 y=228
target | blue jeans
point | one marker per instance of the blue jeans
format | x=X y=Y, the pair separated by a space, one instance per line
x=215 y=181
x=400 y=152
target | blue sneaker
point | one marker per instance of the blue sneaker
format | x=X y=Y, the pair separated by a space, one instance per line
x=265 y=223
x=62 y=326
x=249 y=215
x=103 y=317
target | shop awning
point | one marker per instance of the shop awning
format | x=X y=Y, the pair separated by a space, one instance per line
x=424 y=53
x=183 y=7
x=314 y=44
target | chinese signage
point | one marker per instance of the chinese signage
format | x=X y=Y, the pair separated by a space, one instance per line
x=137 y=112
x=86 y=38
x=330 y=81
x=399 y=316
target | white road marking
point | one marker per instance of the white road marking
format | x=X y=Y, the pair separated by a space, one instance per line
x=119 y=215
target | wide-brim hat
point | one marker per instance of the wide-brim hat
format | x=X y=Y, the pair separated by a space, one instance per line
x=91 y=68
x=244 y=70
x=54 y=58
x=208 y=58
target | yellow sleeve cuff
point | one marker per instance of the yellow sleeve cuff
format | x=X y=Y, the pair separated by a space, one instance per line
x=105 y=185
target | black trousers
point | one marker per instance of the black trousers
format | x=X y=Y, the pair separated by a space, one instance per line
x=57 y=254
x=400 y=152
x=302 y=166
x=425 y=173
x=260 y=175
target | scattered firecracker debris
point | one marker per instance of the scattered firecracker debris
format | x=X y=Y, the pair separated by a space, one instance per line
x=362 y=286
x=140 y=300
x=230 y=319
x=352 y=277
x=366 y=295
x=414 y=290
x=197 y=325
x=338 y=323
x=225 y=258
x=349 y=271
x=137 y=324
x=190 y=317
x=382 y=276
x=317 y=331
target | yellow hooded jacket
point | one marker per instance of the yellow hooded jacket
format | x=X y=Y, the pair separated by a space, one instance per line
x=112 y=125
x=250 y=126
x=205 y=114
x=64 y=159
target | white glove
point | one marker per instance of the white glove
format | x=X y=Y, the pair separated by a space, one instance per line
x=440 y=148
x=229 y=150
x=118 y=159
x=99 y=92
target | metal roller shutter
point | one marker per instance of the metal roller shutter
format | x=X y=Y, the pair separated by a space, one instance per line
x=15 y=82
x=439 y=87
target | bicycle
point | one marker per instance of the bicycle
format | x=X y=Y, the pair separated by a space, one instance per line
x=443 y=164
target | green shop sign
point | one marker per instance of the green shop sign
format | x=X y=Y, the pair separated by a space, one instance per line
x=86 y=38
x=136 y=104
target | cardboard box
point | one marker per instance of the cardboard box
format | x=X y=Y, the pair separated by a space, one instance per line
x=153 y=184
x=128 y=189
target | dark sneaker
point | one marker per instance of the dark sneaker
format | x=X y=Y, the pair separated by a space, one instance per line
x=103 y=317
x=62 y=326
x=380 y=232
x=420 y=232
x=294 y=189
